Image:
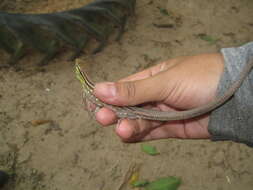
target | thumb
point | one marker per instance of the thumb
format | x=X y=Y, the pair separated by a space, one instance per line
x=129 y=93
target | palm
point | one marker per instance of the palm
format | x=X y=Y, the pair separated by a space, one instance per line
x=187 y=129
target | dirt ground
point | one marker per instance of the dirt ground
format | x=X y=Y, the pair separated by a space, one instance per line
x=73 y=151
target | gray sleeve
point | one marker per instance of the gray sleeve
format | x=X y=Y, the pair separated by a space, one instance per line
x=234 y=120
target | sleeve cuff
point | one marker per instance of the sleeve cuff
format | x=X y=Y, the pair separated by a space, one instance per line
x=234 y=120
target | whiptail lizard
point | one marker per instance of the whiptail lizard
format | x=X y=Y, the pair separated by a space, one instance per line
x=134 y=112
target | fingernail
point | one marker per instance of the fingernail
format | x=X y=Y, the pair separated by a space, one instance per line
x=107 y=89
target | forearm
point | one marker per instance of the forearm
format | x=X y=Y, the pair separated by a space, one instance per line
x=234 y=120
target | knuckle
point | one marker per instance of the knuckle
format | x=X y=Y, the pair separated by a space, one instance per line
x=127 y=90
x=130 y=90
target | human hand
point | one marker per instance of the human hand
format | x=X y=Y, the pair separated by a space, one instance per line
x=178 y=84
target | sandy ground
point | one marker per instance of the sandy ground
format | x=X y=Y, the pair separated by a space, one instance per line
x=73 y=151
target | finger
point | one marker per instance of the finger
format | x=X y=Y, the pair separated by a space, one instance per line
x=134 y=130
x=129 y=93
x=146 y=73
x=143 y=130
x=153 y=70
x=138 y=88
x=106 y=117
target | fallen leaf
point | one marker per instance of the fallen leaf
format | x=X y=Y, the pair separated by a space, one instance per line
x=207 y=38
x=141 y=183
x=133 y=169
x=134 y=178
x=166 y=183
x=163 y=11
x=40 y=122
x=151 y=150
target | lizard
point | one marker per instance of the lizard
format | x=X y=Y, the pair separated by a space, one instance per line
x=135 y=112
